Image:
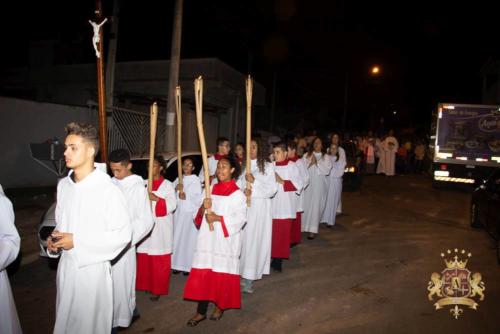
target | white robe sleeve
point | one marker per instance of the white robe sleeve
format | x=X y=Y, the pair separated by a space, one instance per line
x=142 y=219
x=338 y=168
x=236 y=216
x=324 y=165
x=301 y=165
x=342 y=156
x=265 y=185
x=106 y=243
x=296 y=178
x=9 y=238
x=194 y=194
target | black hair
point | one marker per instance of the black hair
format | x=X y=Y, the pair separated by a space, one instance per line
x=87 y=131
x=291 y=144
x=281 y=145
x=161 y=160
x=262 y=157
x=336 y=154
x=221 y=140
x=120 y=155
x=234 y=164
x=311 y=147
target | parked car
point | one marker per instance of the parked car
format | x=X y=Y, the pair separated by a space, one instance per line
x=139 y=167
x=485 y=208
x=352 y=173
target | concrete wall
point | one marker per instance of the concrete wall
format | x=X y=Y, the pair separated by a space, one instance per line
x=23 y=122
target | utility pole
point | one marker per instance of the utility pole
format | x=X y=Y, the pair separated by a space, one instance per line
x=173 y=77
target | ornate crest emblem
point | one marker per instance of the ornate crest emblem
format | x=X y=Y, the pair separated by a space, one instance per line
x=455 y=285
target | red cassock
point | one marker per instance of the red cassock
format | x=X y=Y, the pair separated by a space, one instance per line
x=154 y=253
x=215 y=275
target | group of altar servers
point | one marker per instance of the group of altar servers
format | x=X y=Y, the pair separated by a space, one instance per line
x=115 y=236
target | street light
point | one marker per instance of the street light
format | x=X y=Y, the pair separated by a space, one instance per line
x=375 y=70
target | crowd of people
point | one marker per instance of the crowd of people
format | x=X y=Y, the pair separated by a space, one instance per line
x=118 y=235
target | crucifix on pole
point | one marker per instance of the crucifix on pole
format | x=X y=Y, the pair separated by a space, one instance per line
x=97 y=41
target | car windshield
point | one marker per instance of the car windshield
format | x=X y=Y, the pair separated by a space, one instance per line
x=140 y=167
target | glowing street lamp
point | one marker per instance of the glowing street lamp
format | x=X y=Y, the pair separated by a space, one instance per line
x=375 y=70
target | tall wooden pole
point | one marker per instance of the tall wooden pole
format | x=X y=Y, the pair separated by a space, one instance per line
x=198 y=95
x=173 y=76
x=101 y=90
x=249 y=90
x=153 y=113
x=178 y=102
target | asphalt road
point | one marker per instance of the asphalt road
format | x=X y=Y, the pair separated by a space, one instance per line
x=369 y=274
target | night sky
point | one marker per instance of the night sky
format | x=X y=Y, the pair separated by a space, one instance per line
x=429 y=51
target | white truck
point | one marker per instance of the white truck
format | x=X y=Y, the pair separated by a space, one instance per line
x=466 y=140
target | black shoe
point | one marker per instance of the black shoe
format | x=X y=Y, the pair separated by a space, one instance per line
x=185 y=273
x=175 y=272
x=276 y=264
x=154 y=298
x=193 y=323
x=311 y=236
x=214 y=318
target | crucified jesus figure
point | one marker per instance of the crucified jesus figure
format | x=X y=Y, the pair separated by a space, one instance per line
x=96 y=39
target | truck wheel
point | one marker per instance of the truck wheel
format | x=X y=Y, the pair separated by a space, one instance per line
x=474 y=221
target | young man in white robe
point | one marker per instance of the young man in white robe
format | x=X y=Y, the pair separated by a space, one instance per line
x=318 y=166
x=215 y=275
x=155 y=251
x=257 y=234
x=284 y=204
x=124 y=266
x=296 y=235
x=93 y=227
x=334 y=186
x=223 y=149
x=189 y=198
x=10 y=243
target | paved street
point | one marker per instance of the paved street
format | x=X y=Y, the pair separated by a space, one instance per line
x=369 y=274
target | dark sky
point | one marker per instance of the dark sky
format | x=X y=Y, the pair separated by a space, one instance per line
x=429 y=51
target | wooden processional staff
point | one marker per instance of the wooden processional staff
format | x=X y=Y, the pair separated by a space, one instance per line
x=179 y=136
x=249 y=90
x=198 y=94
x=152 y=141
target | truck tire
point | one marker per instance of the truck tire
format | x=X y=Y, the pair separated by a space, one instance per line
x=474 y=222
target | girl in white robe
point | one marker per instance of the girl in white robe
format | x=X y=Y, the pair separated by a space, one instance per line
x=334 y=186
x=215 y=272
x=124 y=266
x=319 y=166
x=185 y=233
x=154 y=252
x=9 y=248
x=257 y=234
x=335 y=139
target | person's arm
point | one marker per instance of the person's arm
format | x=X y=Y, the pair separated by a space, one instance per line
x=10 y=241
x=142 y=217
x=324 y=165
x=106 y=242
x=265 y=185
x=232 y=222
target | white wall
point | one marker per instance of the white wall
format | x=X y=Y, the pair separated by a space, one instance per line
x=23 y=122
